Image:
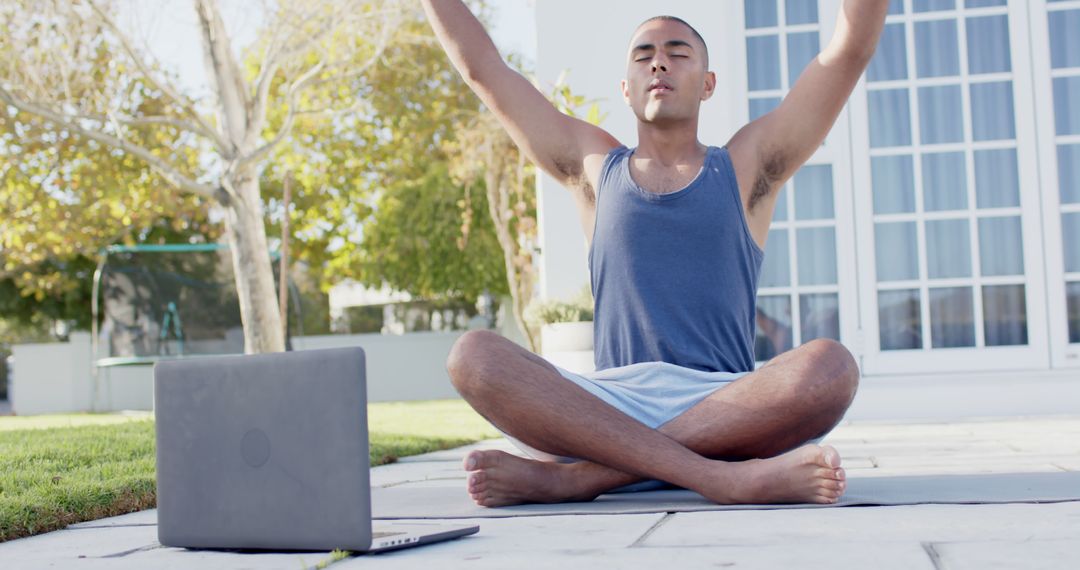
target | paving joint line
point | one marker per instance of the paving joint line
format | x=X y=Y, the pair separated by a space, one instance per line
x=124 y=553
x=935 y=556
x=663 y=520
x=396 y=483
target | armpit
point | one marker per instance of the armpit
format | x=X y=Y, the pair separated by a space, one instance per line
x=773 y=166
x=568 y=168
x=573 y=174
x=588 y=193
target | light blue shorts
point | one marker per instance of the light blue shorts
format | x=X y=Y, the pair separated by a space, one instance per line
x=652 y=393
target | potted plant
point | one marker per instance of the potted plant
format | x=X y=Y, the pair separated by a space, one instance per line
x=566 y=330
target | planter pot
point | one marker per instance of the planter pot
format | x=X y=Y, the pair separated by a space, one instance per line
x=569 y=345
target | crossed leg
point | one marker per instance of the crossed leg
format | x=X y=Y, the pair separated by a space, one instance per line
x=739 y=445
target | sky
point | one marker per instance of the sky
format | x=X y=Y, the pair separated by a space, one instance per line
x=167 y=28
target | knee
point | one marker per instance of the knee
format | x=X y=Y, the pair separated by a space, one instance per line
x=838 y=364
x=467 y=358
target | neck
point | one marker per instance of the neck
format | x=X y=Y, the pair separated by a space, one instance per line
x=669 y=144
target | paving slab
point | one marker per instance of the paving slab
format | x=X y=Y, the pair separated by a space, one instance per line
x=905 y=523
x=852 y=463
x=520 y=543
x=141 y=518
x=397 y=473
x=818 y=556
x=1068 y=463
x=1034 y=554
x=458 y=454
x=73 y=544
x=127 y=541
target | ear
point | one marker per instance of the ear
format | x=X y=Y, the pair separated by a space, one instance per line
x=710 y=86
x=625 y=88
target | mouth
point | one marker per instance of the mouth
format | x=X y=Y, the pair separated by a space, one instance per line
x=658 y=86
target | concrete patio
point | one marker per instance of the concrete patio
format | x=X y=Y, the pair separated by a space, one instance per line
x=909 y=537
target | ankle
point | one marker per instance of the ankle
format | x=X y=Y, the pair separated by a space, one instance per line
x=585 y=481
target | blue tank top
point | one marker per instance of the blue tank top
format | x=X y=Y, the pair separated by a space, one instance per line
x=674 y=275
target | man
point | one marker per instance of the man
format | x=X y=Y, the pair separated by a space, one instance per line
x=677 y=232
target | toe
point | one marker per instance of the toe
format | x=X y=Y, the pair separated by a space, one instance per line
x=471 y=461
x=830 y=456
x=830 y=485
x=482 y=459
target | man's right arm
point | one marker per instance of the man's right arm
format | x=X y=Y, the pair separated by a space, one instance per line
x=557 y=143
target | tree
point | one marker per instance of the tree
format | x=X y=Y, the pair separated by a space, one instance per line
x=453 y=204
x=484 y=152
x=80 y=80
x=487 y=157
x=373 y=198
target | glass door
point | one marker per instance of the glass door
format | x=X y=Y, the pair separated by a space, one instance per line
x=946 y=192
x=1056 y=61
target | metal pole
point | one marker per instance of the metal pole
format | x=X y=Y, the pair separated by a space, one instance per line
x=95 y=343
x=283 y=280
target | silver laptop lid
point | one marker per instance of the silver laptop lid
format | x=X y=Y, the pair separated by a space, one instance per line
x=264 y=451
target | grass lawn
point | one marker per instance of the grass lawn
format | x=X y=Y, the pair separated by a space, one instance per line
x=60 y=470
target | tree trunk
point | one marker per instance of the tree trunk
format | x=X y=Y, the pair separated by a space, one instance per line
x=251 y=265
x=495 y=180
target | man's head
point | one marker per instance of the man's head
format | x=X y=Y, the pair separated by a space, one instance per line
x=667 y=74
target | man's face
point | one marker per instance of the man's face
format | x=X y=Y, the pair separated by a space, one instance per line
x=666 y=79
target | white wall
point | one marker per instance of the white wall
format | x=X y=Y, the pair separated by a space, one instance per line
x=58 y=377
x=399 y=368
x=51 y=377
x=589 y=40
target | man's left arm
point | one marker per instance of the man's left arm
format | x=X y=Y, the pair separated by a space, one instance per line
x=776 y=145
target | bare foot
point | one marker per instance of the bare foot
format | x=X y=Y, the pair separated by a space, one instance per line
x=809 y=474
x=498 y=479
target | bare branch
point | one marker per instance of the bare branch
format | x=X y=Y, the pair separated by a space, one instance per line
x=307 y=79
x=144 y=121
x=224 y=73
x=286 y=127
x=279 y=56
x=163 y=86
x=170 y=174
x=262 y=95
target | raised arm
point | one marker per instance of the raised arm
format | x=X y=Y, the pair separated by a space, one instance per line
x=557 y=143
x=772 y=148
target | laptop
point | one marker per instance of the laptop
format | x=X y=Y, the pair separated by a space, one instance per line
x=270 y=452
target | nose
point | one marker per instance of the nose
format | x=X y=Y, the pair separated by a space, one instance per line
x=658 y=64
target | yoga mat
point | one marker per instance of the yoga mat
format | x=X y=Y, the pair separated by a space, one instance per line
x=403 y=502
